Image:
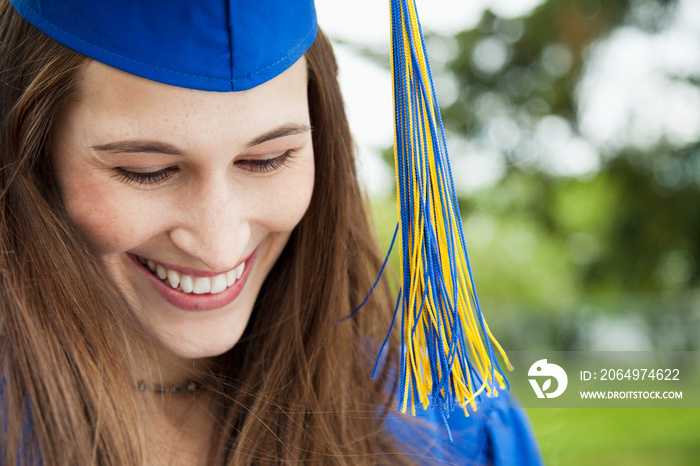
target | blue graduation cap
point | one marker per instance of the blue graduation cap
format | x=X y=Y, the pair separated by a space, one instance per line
x=448 y=355
x=214 y=45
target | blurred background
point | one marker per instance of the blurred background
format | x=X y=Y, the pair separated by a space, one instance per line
x=574 y=133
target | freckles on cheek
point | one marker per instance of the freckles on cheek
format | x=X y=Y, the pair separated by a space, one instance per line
x=101 y=218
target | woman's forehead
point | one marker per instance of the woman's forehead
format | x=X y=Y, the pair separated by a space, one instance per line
x=112 y=100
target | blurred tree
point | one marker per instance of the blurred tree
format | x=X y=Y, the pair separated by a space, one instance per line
x=582 y=240
x=632 y=225
x=563 y=227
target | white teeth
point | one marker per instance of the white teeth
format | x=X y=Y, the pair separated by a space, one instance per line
x=173 y=278
x=202 y=285
x=196 y=285
x=186 y=283
x=230 y=277
x=239 y=270
x=218 y=284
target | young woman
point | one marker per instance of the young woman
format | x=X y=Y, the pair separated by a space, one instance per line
x=174 y=266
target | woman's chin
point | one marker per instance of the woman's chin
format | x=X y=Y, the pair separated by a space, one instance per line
x=197 y=350
x=193 y=346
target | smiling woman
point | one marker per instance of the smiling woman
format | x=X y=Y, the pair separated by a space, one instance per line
x=222 y=179
x=179 y=240
x=181 y=235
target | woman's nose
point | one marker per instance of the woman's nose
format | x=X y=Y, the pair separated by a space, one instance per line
x=213 y=227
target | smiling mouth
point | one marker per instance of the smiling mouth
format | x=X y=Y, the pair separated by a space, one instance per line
x=194 y=285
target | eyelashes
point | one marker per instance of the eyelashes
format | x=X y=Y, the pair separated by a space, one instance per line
x=266 y=165
x=145 y=178
x=161 y=176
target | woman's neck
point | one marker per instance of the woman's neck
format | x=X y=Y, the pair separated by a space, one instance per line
x=154 y=366
x=178 y=426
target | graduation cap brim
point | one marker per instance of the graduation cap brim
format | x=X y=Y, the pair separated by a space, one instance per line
x=236 y=44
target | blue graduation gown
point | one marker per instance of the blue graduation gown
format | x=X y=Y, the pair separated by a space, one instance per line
x=498 y=434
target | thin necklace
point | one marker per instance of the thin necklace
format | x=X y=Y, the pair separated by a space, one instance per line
x=189 y=387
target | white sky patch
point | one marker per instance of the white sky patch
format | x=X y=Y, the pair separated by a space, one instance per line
x=368 y=98
x=368 y=103
x=368 y=21
x=512 y=8
x=474 y=165
x=503 y=133
x=480 y=228
x=376 y=177
x=633 y=92
x=557 y=59
x=624 y=333
x=562 y=152
x=360 y=21
x=490 y=55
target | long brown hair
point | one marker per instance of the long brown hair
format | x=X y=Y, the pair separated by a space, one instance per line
x=295 y=389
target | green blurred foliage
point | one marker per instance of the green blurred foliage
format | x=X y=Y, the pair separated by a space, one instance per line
x=639 y=437
x=552 y=254
x=558 y=259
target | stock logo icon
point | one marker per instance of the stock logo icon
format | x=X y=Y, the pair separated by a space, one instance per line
x=541 y=369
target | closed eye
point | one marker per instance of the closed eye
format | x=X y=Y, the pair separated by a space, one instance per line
x=145 y=178
x=266 y=165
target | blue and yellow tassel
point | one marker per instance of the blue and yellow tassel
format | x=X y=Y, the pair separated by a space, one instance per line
x=447 y=349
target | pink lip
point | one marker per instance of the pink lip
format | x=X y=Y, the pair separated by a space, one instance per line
x=197 y=302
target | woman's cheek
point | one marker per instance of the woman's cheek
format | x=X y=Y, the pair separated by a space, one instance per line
x=109 y=221
x=288 y=199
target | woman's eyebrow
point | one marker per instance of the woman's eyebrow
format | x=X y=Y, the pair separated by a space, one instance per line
x=147 y=146
x=282 y=131
x=133 y=146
